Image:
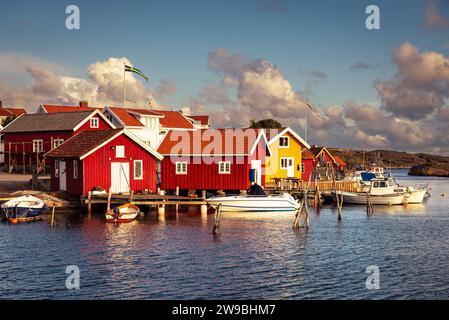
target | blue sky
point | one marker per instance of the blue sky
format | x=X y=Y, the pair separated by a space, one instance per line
x=172 y=39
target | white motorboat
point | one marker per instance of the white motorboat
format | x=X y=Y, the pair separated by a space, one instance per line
x=23 y=208
x=255 y=203
x=380 y=192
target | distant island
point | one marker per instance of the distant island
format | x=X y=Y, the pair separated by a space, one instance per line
x=419 y=164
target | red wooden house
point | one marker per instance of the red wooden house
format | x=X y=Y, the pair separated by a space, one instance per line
x=325 y=164
x=114 y=159
x=220 y=159
x=308 y=164
x=29 y=136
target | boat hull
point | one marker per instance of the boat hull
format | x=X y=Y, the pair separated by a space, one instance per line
x=361 y=198
x=126 y=213
x=416 y=196
x=254 y=204
x=23 y=209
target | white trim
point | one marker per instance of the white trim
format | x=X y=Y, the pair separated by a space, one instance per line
x=260 y=136
x=293 y=133
x=288 y=142
x=286 y=158
x=41 y=143
x=13 y=121
x=60 y=140
x=94 y=124
x=141 y=170
x=122 y=153
x=75 y=165
x=146 y=147
x=182 y=172
x=93 y=113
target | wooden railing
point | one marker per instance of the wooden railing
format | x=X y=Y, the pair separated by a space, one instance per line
x=291 y=184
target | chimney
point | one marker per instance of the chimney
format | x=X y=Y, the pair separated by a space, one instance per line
x=84 y=104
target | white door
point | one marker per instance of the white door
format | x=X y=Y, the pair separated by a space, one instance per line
x=257 y=164
x=120 y=177
x=290 y=168
x=62 y=176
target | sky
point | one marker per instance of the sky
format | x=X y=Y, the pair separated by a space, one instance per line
x=242 y=60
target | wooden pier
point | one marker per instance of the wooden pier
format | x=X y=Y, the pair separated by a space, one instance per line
x=142 y=199
x=293 y=185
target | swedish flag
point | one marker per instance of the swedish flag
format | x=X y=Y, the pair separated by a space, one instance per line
x=135 y=70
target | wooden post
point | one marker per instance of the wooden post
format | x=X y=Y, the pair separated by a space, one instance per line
x=23 y=157
x=177 y=205
x=216 y=230
x=131 y=196
x=109 y=199
x=203 y=194
x=53 y=216
x=89 y=203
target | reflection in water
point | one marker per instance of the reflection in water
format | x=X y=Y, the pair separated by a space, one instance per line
x=257 y=255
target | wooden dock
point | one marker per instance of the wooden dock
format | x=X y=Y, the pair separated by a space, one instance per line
x=297 y=185
x=142 y=199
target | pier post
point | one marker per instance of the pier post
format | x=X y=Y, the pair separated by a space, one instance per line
x=161 y=210
x=177 y=205
x=89 y=203
x=53 y=216
x=216 y=229
x=109 y=200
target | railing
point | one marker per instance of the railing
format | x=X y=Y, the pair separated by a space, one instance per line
x=294 y=184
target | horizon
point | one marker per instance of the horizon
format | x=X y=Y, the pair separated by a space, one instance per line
x=256 y=59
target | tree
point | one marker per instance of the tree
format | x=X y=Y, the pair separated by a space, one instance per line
x=265 y=124
x=8 y=120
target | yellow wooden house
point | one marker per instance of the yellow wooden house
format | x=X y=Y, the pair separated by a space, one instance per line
x=285 y=159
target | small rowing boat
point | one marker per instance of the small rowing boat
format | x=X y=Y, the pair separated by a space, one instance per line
x=124 y=213
x=23 y=209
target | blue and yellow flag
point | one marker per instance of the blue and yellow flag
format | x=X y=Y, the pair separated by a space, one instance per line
x=135 y=70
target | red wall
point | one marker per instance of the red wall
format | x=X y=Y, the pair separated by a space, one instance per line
x=203 y=175
x=39 y=135
x=95 y=170
x=309 y=165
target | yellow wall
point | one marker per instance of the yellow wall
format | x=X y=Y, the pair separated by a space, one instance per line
x=273 y=163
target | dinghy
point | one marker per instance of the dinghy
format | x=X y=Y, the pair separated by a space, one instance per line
x=23 y=209
x=124 y=213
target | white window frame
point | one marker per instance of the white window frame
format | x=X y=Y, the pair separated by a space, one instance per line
x=226 y=169
x=56 y=168
x=57 y=142
x=287 y=160
x=141 y=169
x=118 y=153
x=40 y=143
x=288 y=142
x=181 y=169
x=75 y=169
x=94 y=123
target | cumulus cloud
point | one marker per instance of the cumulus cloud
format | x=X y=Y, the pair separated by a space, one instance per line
x=102 y=86
x=420 y=85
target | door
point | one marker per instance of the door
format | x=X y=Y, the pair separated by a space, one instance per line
x=257 y=164
x=120 y=177
x=62 y=176
x=290 y=168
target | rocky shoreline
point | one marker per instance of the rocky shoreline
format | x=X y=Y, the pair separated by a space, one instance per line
x=430 y=171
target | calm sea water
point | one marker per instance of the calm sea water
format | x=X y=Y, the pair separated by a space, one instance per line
x=256 y=257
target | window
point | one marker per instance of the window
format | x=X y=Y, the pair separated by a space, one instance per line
x=56 y=168
x=286 y=162
x=119 y=151
x=94 y=123
x=75 y=169
x=283 y=142
x=38 y=146
x=224 y=167
x=57 y=142
x=181 y=167
x=138 y=169
x=303 y=167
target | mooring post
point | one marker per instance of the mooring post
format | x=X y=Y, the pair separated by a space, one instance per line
x=339 y=204
x=53 y=216
x=89 y=203
x=109 y=199
x=216 y=230
x=161 y=209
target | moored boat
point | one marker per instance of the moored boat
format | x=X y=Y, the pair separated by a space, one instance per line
x=23 y=209
x=255 y=203
x=124 y=213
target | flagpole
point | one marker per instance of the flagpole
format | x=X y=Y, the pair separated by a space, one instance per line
x=124 y=83
x=305 y=126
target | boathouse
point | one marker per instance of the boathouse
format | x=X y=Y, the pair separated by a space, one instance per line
x=307 y=165
x=30 y=136
x=213 y=159
x=114 y=159
x=285 y=161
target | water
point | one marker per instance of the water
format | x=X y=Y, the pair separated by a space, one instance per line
x=256 y=257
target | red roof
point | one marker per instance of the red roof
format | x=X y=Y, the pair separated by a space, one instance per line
x=174 y=120
x=146 y=112
x=126 y=117
x=307 y=155
x=203 y=120
x=5 y=112
x=209 y=142
x=340 y=161
x=81 y=143
x=59 y=109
